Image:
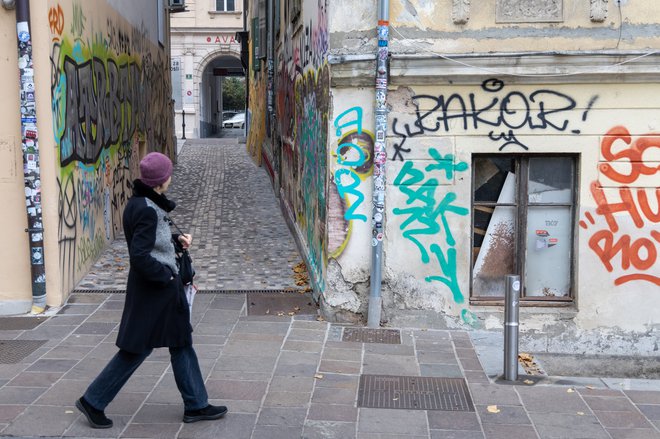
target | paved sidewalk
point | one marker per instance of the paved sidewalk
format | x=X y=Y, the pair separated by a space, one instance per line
x=283 y=377
x=291 y=377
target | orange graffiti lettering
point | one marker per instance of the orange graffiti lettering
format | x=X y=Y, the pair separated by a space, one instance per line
x=634 y=155
x=634 y=253
x=56 y=20
x=606 y=248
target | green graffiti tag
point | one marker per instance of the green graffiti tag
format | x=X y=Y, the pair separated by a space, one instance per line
x=426 y=216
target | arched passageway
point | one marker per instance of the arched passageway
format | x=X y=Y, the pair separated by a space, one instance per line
x=217 y=92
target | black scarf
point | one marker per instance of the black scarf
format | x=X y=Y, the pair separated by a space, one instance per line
x=142 y=190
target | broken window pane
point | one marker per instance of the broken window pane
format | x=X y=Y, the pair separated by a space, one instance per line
x=489 y=176
x=495 y=250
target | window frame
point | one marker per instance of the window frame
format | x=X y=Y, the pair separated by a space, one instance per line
x=521 y=204
x=225 y=6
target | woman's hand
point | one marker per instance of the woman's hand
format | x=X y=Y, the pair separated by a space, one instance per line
x=185 y=240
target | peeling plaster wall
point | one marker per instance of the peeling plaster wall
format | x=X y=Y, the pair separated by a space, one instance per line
x=613 y=129
x=427 y=26
x=436 y=126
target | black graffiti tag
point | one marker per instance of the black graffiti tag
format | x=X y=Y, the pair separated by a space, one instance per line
x=507 y=112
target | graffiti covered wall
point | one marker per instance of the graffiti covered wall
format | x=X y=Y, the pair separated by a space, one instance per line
x=434 y=134
x=111 y=103
x=301 y=106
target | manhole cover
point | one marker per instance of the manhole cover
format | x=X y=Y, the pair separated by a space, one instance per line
x=372 y=335
x=13 y=351
x=414 y=393
x=20 y=323
x=282 y=304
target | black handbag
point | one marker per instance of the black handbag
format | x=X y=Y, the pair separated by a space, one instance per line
x=183 y=259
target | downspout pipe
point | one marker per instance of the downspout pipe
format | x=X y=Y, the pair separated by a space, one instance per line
x=380 y=161
x=30 y=147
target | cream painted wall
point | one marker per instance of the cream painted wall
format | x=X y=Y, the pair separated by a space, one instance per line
x=201 y=14
x=424 y=26
x=601 y=302
x=15 y=294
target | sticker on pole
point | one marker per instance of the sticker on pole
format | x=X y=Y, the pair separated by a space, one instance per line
x=515 y=285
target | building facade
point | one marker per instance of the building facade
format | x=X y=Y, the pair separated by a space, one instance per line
x=519 y=138
x=204 y=50
x=87 y=93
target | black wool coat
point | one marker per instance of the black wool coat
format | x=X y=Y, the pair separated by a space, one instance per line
x=156 y=311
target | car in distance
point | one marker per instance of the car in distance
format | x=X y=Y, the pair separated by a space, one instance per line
x=237 y=121
x=226 y=115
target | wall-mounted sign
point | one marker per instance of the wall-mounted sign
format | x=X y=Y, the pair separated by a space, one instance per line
x=188 y=75
x=221 y=39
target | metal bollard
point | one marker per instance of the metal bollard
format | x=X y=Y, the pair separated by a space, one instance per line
x=511 y=306
x=183 y=124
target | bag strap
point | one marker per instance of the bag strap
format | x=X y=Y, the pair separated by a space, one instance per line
x=172 y=223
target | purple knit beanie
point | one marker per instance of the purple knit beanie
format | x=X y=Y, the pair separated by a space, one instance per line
x=155 y=169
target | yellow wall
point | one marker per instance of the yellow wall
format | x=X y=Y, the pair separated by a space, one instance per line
x=15 y=293
x=103 y=99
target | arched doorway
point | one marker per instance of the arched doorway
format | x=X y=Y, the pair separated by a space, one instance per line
x=213 y=85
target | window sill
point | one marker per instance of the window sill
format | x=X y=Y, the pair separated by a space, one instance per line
x=567 y=303
x=561 y=310
x=238 y=13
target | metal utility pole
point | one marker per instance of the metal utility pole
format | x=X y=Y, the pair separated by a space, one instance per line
x=31 y=167
x=380 y=159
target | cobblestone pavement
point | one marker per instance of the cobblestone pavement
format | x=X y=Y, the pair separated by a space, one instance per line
x=283 y=377
x=227 y=203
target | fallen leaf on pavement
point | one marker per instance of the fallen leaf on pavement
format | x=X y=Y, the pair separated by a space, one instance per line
x=292 y=313
x=570 y=391
x=320 y=319
x=528 y=382
x=590 y=387
x=268 y=311
x=318 y=376
x=492 y=409
x=580 y=413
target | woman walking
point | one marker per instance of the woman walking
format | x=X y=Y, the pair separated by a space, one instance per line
x=156 y=311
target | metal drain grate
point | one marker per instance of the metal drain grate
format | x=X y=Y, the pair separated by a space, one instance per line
x=98 y=292
x=279 y=291
x=13 y=351
x=283 y=304
x=20 y=323
x=414 y=393
x=370 y=335
x=209 y=291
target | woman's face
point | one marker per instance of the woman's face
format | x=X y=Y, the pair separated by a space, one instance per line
x=163 y=187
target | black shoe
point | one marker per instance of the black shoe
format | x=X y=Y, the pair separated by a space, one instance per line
x=96 y=418
x=208 y=413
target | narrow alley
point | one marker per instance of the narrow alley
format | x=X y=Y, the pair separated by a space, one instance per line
x=241 y=241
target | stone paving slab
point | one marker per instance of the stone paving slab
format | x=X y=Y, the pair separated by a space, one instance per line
x=285 y=377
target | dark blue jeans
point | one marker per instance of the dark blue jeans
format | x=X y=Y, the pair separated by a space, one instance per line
x=112 y=378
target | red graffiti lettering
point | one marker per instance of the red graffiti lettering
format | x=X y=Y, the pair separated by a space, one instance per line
x=633 y=155
x=637 y=253
x=56 y=20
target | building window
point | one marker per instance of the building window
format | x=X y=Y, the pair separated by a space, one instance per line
x=225 y=5
x=523 y=216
